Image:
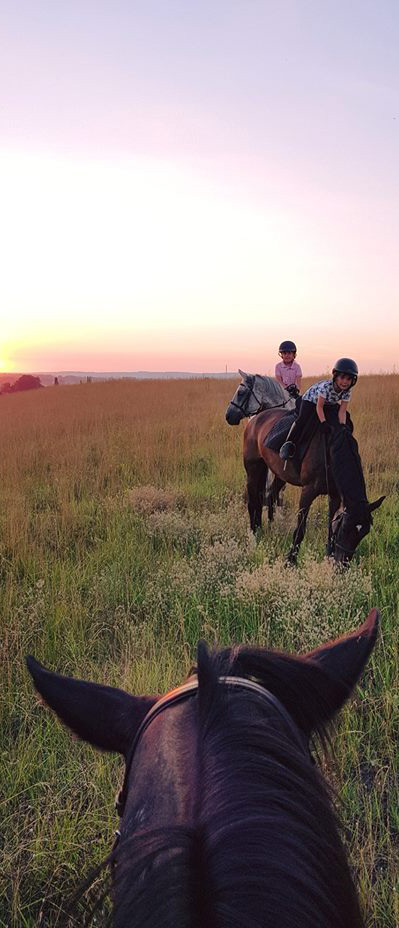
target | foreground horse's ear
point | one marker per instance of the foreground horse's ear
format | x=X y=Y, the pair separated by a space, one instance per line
x=242 y=374
x=104 y=716
x=344 y=660
x=376 y=504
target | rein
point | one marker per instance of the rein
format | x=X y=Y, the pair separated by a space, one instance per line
x=184 y=692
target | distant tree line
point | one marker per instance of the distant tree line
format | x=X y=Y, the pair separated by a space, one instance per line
x=25 y=382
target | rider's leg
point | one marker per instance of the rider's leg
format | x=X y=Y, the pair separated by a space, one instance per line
x=288 y=449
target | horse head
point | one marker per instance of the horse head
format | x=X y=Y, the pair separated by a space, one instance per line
x=349 y=525
x=244 y=403
x=218 y=780
x=254 y=393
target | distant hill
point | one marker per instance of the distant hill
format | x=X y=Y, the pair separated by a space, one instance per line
x=71 y=377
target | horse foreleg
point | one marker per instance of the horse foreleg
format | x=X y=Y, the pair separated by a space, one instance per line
x=307 y=496
x=273 y=488
x=334 y=502
x=280 y=500
x=256 y=482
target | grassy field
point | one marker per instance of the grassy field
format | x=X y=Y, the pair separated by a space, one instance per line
x=124 y=538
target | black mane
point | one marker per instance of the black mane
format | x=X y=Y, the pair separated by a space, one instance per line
x=264 y=848
x=347 y=469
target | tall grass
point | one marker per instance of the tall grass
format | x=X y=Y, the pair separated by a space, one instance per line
x=124 y=538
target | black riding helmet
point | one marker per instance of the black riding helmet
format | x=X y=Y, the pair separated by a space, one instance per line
x=346 y=366
x=287 y=346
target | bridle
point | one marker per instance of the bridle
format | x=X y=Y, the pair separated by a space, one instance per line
x=261 y=406
x=243 y=408
x=338 y=520
x=186 y=691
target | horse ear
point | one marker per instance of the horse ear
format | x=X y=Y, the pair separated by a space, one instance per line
x=104 y=716
x=343 y=661
x=242 y=374
x=376 y=504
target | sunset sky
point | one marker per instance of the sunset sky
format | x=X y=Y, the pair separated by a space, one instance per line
x=185 y=184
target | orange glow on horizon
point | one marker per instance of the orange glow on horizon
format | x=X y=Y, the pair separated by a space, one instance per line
x=140 y=265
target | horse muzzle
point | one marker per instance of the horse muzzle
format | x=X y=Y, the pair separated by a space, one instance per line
x=233 y=416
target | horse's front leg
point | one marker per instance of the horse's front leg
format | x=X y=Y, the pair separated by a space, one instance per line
x=308 y=494
x=334 y=502
x=273 y=488
x=256 y=482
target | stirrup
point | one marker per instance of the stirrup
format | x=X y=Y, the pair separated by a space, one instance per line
x=287 y=450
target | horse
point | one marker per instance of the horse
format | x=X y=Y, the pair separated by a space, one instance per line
x=255 y=394
x=349 y=512
x=226 y=821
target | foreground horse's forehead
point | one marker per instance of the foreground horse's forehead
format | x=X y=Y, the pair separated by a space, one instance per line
x=162 y=772
x=170 y=730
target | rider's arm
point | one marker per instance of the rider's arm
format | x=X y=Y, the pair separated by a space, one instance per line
x=279 y=379
x=298 y=381
x=342 y=412
x=319 y=408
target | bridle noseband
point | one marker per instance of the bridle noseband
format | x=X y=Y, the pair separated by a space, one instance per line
x=186 y=691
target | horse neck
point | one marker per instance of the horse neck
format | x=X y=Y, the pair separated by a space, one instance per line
x=268 y=390
x=348 y=472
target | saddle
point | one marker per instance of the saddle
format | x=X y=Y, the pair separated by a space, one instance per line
x=279 y=434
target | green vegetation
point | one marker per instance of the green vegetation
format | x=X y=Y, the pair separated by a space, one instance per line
x=123 y=539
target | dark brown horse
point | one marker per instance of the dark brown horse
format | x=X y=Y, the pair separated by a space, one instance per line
x=225 y=819
x=350 y=513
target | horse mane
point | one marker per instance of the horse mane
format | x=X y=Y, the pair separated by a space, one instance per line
x=347 y=469
x=264 y=848
x=271 y=389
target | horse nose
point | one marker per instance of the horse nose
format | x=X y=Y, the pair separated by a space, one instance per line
x=342 y=558
x=231 y=416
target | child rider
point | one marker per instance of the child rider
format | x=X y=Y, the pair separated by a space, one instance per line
x=288 y=371
x=332 y=392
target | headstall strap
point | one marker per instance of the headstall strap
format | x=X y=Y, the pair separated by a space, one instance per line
x=184 y=692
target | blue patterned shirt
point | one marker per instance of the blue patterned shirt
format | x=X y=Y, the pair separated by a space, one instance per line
x=326 y=389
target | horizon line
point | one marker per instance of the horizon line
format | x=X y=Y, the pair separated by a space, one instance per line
x=116 y=373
